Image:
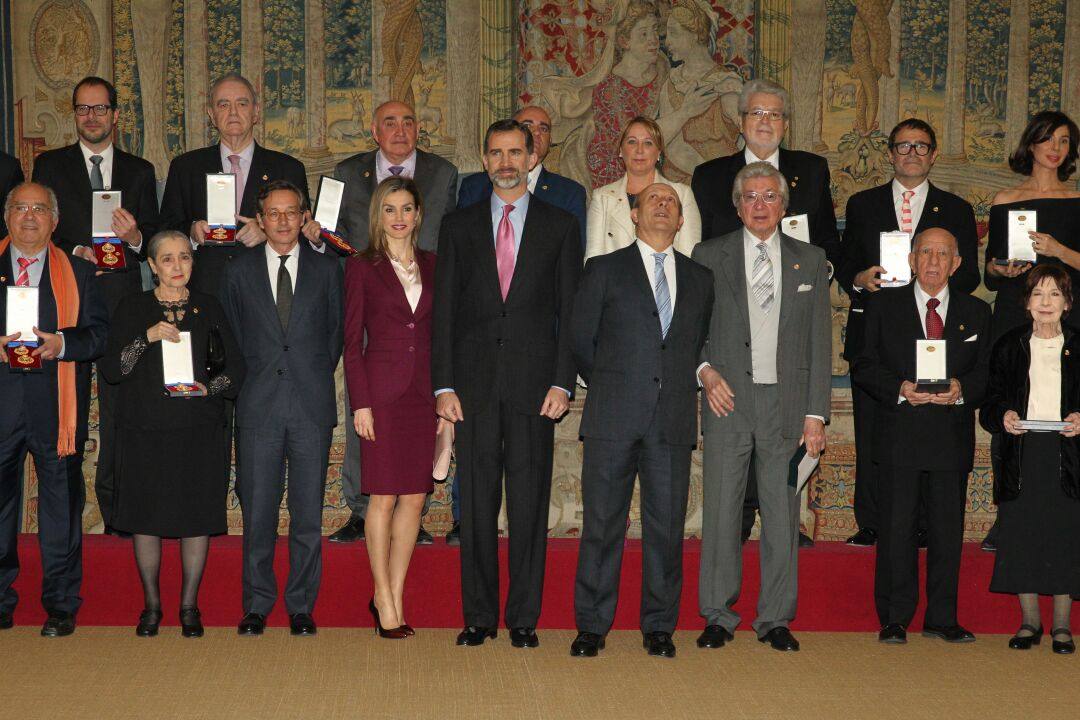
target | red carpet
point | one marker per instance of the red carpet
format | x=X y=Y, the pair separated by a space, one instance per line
x=835 y=586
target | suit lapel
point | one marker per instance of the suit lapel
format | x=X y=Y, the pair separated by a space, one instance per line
x=682 y=282
x=485 y=247
x=427 y=279
x=263 y=291
x=789 y=255
x=385 y=270
x=306 y=283
x=530 y=239
x=931 y=210
x=914 y=316
x=733 y=265
x=254 y=182
x=643 y=282
x=79 y=174
x=620 y=208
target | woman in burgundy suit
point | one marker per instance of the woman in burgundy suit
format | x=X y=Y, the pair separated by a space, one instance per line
x=388 y=293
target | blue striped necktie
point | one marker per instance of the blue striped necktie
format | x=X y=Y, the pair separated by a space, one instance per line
x=663 y=294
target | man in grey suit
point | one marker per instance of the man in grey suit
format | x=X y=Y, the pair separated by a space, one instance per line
x=285 y=304
x=640 y=320
x=394 y=128
x=766 y=373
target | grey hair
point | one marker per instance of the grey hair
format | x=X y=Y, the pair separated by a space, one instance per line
x=9 y=200
x=159 y=239
x=231 y=77
x=760 y=169
x=763 y=86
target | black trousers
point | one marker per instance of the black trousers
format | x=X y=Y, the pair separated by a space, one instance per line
x=61 y=496
x=495 y=440
x=105 y=473
x=607 y=485
x=896 y=580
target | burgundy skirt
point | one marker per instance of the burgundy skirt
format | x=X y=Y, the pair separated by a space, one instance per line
x=399 y=461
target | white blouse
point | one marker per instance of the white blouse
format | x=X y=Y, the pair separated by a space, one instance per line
x=1044 y=378
x=410 y=281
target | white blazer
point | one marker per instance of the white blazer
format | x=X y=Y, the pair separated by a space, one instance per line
x=609 y=226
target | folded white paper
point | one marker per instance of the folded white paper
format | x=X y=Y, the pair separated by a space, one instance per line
x=797 y=226
x=930 y=360
x=806 y=468
x=102 y=205
x=22 y=312
x=1021 y=222
x=176 y=361
x=328 y=205
x=221 y=199
x=1042 y=425
x=895 y=248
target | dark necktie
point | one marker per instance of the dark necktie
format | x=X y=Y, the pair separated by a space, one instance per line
x=97 y=182
x=935 y=327
x=284 y=293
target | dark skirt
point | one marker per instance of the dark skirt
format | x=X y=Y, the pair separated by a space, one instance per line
x=172 y=483
x=399 y=461
x=1038 y=545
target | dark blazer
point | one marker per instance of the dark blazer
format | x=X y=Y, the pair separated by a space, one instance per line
x=562 y=192
x=1009 y=389
x=307 y=353
x=636 y=377
x=184 y=202
x=870 y=213
x=808 y=181
x=82 y=344
x=64 y=170
x=398 y=351
x=521 y=346
x=11 y=174
x=928 y=437
x=435 y=177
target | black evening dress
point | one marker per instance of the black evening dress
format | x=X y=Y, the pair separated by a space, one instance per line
x=172 y=454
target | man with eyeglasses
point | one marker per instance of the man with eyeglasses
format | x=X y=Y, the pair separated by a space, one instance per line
x=911 y=203
x=234 y=110
x=45 y=413
x=74 y=173
x=767 y=381
x=11 y=174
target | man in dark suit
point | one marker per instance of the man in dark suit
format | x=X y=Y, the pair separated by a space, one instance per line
x=234 y=111
x=394 y=128
x=502 y=369
x=641 y=316
x=285 y=305
x=11 y=174
x=73 y=173
x=923 y=440
x=45 y=413
x=909 y=202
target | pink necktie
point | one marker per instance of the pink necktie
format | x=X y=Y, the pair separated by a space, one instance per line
x=905 y=211
x=234 y=161
x=504 y=250
x=24 y=271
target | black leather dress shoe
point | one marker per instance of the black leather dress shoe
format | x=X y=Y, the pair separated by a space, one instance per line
x=524 y=637
x=191 y=622
x=864 y=538
x=149 y=620
x=474 y=635
x=1024 y=642
x=586 y=644
x=302 y=624
x=1063 y=647
x=893 y=634
x=922 y=539
x=805 y=541
x=351 y=531
x=780 y=638
x=714 y=636
x=423 y=537
x=7 y=620
x=58 y=624
x=251 y=624
x=658 y=644
x=951 y=633
x=454 y=536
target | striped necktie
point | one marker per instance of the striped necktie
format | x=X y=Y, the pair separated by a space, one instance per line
x=761 y=278
x=662 y=293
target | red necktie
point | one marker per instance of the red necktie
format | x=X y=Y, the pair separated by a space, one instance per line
x=905 y=211
x=24 y=271
x=935 y=327
x=504 y=250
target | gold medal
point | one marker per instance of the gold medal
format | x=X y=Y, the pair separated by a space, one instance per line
x=219 y=233
x=109 y=259
x=108 y=248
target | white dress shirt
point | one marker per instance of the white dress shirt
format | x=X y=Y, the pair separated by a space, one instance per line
x=106 y=163
x=382 y=166
x=650 y=268
x=918 y=201
x=273 y=264
x=534 y=175
x=773 y=159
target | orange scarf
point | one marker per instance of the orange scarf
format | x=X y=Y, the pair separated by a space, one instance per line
x=66 y=292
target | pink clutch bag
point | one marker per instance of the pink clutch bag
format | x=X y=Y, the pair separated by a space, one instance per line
x=444 y=447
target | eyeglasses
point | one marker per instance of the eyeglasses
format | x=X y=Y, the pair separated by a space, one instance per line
x=768 y=197
x=763 y=114
x=99 y=110
x=36 y=209
x=538 y=127
x=275 y=215
x=904 y=148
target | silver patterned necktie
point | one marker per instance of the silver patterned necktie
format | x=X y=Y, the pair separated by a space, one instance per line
x=761 y=278
x=663 y=294
x=97 y=181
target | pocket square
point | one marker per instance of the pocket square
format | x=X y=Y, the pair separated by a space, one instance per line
x=805 y=288
x=973 y=338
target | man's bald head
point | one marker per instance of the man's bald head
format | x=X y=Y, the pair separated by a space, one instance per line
x=934 y=258
x=657 y=214
x=538 y=122
x=394 y=128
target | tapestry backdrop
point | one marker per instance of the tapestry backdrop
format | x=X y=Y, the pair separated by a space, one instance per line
x=974 y=70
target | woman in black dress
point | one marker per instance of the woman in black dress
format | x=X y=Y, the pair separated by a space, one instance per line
x=1035 y=375
x=172 y=461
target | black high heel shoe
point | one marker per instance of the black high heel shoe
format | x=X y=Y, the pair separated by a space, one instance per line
x=1063 y=647
x=1024 y=642
x=191 y=622
x=149 y=620
x=394 y=634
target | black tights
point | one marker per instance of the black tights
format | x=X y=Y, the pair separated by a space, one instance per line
x=193 y=552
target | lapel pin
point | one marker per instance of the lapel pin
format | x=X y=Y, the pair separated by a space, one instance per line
x=195 y=310
x=795 y=266
x=3 y=278
x=793 y=183
x=543 y=187
x=266 y=177
x=367 y=173
x=935 y=208
x=961 y=327
x=1066 y=353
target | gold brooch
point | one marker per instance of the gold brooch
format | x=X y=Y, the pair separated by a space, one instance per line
x=266 y=177
x=795 y=266
x=961 y=327
x=367 y=173
x=195 y=310
x=935 y=208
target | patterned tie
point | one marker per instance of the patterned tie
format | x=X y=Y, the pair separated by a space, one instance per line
x=905 y=211
x=663 y=294
x=504 y=250
x=284 y=293
x=97 y=182
x=396 y=169
x=935 y=327
x=761 y=279
x=234 y=162
x=24 y=271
